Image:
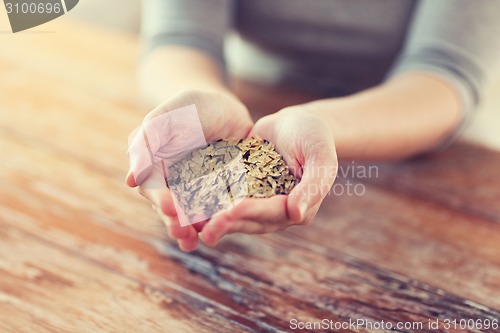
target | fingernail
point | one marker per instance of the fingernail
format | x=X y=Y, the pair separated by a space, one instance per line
x=302 y=210
x=129 y=179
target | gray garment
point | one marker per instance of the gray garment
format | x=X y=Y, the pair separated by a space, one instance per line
x=343 y=46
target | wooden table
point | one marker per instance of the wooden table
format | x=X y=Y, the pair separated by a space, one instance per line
x=80 y=252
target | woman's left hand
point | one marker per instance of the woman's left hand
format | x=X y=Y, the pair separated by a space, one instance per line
x=306 y=143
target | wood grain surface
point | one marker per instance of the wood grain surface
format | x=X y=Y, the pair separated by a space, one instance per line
x=80 y=252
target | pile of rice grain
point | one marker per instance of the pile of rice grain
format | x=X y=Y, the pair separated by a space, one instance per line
x=211 y=179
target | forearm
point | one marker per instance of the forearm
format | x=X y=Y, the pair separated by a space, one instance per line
x=172 y=69
x=408 y=115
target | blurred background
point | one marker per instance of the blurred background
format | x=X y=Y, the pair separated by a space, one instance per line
x=485 y=128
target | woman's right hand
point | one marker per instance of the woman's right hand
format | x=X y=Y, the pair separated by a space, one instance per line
x=221 y=115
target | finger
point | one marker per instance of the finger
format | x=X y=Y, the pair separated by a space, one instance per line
x=144 y=145
x=161 y=198
x=187 y=237
x=266 y=210
x=167 y=203
x=188 y=244
x=212 y=233
x=181 y=232
x=155 y=190
x=263 y=128
x=174 y=229
x=318 y=174
x=250 y=216
x=157 y=177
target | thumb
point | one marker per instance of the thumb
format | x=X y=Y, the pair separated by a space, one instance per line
x=318 y=174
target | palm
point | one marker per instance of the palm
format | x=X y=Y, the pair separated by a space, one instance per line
x=306 y=144
x=220 y=116
x=298 y=136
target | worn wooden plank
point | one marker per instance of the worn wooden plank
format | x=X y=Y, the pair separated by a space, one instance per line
x=446 y=225
x=45 y=288
x=278 y=277
x=399 y=231
x=404 y=242
x=315 y=282
x=416 y=238
x=434 y=227
x=409 y=237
